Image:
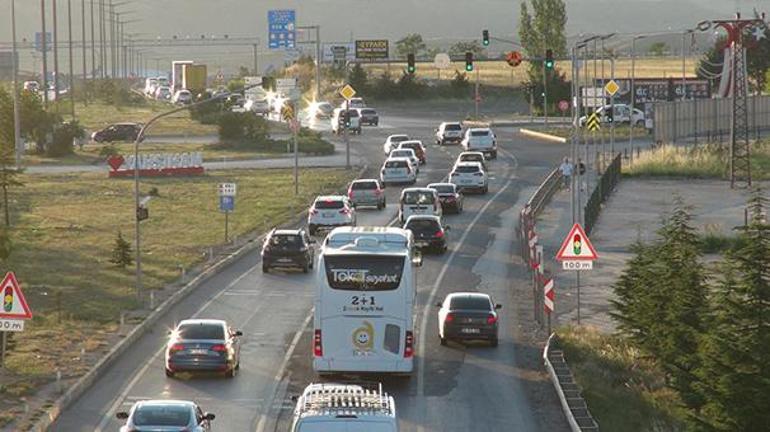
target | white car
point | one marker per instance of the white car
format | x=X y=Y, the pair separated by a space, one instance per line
x=182 y=97
x=481 y=140
x=449 y=132
x=257 y=106
x=472 y=157
x=163 y=93
x=406 y=153
x=32 y=86
x=330 y=211
x=418 y=201
x=149 y=85
x=344 y=407
x=165 y=415
x=392 y=142
x=398 y=170
x=621 y=114
x=338 y=121
x=354 y=103
x=469 y=176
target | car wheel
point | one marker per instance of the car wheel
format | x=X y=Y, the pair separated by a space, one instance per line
x=265 y=268
x=169 y=373
x=311 y=263
x=493 y=342
x=413 y=181
x=444 y=249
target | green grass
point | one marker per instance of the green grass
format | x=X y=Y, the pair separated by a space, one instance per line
x=624 y=390
x=703 y=161
x=97 y=115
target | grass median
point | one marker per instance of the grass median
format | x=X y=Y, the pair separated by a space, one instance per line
x=97 y=115
x=64 y=231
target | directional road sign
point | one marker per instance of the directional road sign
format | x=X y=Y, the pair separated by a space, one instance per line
x=593 y=124
x=14 y=305
x=227 y=189
x=612 y=87
x=549 y=295
x=282 y=28
x=226 y=203
x=347 y=92
x=577 y=252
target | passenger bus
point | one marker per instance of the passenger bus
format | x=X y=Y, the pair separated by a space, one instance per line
x=364 y=300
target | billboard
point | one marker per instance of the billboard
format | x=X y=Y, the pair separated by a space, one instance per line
x=329 y=49
x=372 y=50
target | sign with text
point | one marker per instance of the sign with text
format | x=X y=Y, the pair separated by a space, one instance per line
x=227 y=189
x=329 y=49
x=282 y=28
x=8 y=325
x=372 y=50
x=157 y=164
x=577 y=252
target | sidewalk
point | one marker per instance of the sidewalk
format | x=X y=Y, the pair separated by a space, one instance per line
x=633 y=212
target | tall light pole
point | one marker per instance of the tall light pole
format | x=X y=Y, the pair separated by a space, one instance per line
x=83 y=38
x=93 y=43
x=44 y=48
x=55 y=53
x=15 y=67
x=71 y=69
x=684 y=62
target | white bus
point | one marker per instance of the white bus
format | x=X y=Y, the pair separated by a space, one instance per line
x=364 y=301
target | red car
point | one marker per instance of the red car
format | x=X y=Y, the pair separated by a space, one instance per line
x=418 y=148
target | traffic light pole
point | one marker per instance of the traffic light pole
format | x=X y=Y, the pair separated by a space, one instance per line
x=477 y=94
x=545 y=95
x=345 y=134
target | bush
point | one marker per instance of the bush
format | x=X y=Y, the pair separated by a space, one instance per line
x=208 y=113
x=121 y=252
x=242 y=129
x=108 y=151
x=63 y=137
x=114 y=92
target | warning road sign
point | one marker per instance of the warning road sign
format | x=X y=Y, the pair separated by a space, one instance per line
x=14 y=305
x=577 y=248
x=348 y=92
x=549 y=296
x=593 y=124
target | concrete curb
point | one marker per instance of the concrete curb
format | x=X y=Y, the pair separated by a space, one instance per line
x=543 y=136
x=84 y=382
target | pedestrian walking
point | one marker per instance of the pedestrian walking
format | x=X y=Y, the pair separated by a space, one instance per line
x=566 y=169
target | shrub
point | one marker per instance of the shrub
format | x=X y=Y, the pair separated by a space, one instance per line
x=108 y=151
x=244 y=130
x=63 y=137
x=121 y=253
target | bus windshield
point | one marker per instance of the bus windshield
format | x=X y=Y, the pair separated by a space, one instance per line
x=364 y=272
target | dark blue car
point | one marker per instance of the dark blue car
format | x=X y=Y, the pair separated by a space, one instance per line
x=203 y=345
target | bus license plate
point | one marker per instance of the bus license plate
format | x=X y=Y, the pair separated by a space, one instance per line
x=470 y=330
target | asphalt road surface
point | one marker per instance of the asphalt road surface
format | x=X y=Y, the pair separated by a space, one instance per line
x=454 y=388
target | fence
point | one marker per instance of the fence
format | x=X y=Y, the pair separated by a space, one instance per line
x=607 y=182
x=534 y=206
x=706 y=118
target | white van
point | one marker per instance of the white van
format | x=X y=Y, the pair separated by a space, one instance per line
x=331 y=407
x=364 y=301
x=337 y=121
x=418 y=201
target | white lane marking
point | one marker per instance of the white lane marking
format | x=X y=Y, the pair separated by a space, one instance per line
x=124 y=394
x=282 y=369
x=439 y=279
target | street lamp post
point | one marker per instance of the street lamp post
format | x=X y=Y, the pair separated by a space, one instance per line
x=633 y=93
x=15 y=67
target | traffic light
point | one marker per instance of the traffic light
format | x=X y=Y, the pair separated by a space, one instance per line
x=485 y=37
x=549 y=59
x=346 y=119
x=410 y=63
x=469 y=61
x=610 y=115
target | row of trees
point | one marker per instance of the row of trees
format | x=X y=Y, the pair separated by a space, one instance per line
x=405 y=86
x=709 y=331
x=413 y=44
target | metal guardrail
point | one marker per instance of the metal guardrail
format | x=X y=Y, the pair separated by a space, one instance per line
x=534 y=206
x=572 y=403
x=607 y=182
x=706 y=118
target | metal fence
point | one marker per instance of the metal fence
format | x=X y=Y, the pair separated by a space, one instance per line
x=706 y=118
x=607 y=182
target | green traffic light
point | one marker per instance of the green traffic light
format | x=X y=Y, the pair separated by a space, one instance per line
x=549 y=64
x=411 y=69
x=486 y=42
x=469 y=67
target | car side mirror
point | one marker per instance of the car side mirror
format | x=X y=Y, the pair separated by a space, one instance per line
x=122 y=415
x=438 y=305
x=238 y=333
x=417 y=260
x=209 y=416
x=498 y=306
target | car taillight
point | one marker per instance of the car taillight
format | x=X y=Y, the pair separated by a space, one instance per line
x=439 y=234
x=350 y=194
x=491 y=319
x=409 y=345
x=219 y=348
x=176 y=347
x=378 y=192
x=449 y=318
x=318 y=350
x=344 y=211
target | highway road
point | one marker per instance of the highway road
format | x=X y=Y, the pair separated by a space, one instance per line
x=455 y=388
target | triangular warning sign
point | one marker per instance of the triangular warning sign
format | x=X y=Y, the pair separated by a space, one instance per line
x=576 y=246
x=14 y=304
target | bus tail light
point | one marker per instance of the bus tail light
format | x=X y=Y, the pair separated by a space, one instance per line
x=318 y=349
x=409 y=345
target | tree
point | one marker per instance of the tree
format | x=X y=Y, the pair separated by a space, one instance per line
x=121 y=253
x=411 y=43
x=735 y=352
x=460 y=48
x=632 y=295
x=358 y=78
x=657 y=49
x=8 y=172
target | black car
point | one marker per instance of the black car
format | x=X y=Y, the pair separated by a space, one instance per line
x=203 y=345
x=369 y=117
x=117 y=132
x=288 y=248
x=468 y=316
x=428 y=232
x=450 y=198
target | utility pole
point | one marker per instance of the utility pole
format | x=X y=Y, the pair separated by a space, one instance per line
x=633 y=94
x=83 y=34
x=318 y=58
x=477 y=97
x=16 y=114
x=254 y=46
x=93 y=44
x=44 y=43
x=71 y=69
x=55 y=54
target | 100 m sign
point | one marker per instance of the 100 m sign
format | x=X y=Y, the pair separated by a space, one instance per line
x=577 y=265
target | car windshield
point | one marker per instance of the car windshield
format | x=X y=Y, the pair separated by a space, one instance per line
x=329 y=204
x=444 y=189
x=166 y=415
x=364 y=185
x=470 y=303
x=418 y=197
x=402 y=153
x=398 y=138
x=201 y=331
x=286 y=240
x=368 y=111
x=472 y=157
x=453 y=127
x=395 y=164
x=413 y=146
x=480 y=133
x=467 y=169
x=422 y=225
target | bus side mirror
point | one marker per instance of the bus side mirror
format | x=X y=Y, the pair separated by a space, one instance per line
x=417 y=260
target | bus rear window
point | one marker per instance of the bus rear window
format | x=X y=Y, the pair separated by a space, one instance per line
x=364 y=272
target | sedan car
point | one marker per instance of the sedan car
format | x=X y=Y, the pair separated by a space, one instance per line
x=392 y=142
x=471 y=156
x=418 y=148
x=428 y=232
x=468 y=316
x=117 y=132
x=288 y=248
x=369 y=117
x=203 y=345
x=329 y=212
x=365 y=192
x=449 y=197
x=165 y=415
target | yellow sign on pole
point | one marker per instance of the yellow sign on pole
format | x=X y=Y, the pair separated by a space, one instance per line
x=592 y=123
x=612 y=87
x=347 y=92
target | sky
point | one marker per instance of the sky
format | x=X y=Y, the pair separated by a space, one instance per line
x=439 y=21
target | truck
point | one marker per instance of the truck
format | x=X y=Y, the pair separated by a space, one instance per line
x=194 y=78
